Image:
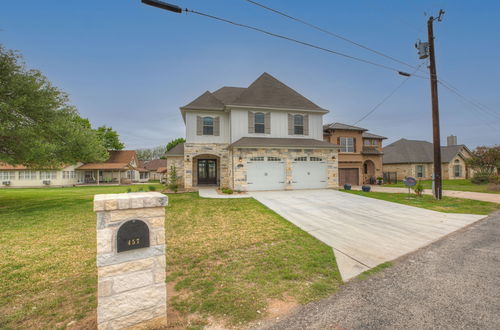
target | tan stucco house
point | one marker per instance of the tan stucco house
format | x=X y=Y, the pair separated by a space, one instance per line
x=414 y=158
x=262 y=137
x=360 y=153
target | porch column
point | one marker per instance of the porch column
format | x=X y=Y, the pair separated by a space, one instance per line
x=119 y=177
x=97 y=176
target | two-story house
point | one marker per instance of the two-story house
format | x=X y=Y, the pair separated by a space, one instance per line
x=263 y=137
x=360 y=154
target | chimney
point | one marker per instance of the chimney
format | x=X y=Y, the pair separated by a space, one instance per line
x=451 y=140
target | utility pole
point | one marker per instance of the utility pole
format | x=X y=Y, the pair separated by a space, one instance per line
x=438 y=183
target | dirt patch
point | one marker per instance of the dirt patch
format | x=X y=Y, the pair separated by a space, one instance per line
x=87 y=323
x=280 y=307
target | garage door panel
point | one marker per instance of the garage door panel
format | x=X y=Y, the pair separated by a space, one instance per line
x=348 y=176
x=310 y=173
x=265 y=174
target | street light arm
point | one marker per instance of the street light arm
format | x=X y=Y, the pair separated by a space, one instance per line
x=163 y=5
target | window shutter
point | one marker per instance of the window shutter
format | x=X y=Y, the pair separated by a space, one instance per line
x=306 y=124
x=267 y=123
x=199 y=125
x=354 y=143
x=290 y=124
x=251 y=122
x=216 y=126
x=338 y=140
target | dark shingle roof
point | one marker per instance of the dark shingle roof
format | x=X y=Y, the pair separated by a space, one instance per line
x=252 y=142
x=373 y=136
x=415 y=151
x=343 y=126
x=266 y=92
x=153 y=165
x=178 y=150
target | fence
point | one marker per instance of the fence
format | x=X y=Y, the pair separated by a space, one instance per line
x=390 y=177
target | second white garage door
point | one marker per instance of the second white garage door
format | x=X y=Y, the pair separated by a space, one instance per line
x=265 y=173
x=309 y=173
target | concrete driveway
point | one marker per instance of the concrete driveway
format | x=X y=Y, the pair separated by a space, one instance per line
x=363 y=232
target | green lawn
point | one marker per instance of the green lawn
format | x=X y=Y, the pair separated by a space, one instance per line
x=226 y=259
x=447 y=204
x=460 y=185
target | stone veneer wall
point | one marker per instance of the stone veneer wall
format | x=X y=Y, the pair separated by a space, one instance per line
x=213 y=149
x=240 y=172
x=178 y=162
x=131 y=284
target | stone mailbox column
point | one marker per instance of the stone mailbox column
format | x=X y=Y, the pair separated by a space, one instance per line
x=131 y=260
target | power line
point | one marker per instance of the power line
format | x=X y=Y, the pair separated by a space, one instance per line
x=336 y=35
x=385 y=99
x=304 y=43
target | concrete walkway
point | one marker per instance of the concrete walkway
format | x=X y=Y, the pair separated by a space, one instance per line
x=212 y=193
x=363 y=232
x=450 y=284
x=485 y=197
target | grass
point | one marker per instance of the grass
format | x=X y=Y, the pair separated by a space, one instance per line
x=459 y=185
x=227 y=258
x=364 y=275
x=447 y=204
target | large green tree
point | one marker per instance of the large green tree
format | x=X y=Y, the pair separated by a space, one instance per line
x=110 y=138
x=38 y=127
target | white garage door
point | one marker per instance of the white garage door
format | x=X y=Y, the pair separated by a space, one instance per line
x=309 y=173
x=265 y=173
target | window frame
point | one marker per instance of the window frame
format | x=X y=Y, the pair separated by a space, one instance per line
x=421 y=173
x=48 y=175
x=27 y=175
x=207 y=127
x=345 y=146
x=261 y=123
x=455 y=167
x=7 y=175
x=298 y=129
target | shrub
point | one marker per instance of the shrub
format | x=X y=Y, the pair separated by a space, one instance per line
x=172 y=179
x=129 y=190
x=481 y=178
x=226 y=191
x=494 y=187
x=495 y=179
x=141 y=189
x=152 y=188
x=419 y=189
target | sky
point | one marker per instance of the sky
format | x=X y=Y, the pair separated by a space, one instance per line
x=131 y=66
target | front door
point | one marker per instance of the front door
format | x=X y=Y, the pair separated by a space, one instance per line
x=207 y=171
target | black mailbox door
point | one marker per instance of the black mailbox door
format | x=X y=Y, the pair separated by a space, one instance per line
x=133 y=234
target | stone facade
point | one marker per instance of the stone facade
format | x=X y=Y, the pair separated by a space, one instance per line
x=178 y=163
x=195 y=151
x=240 y=172
x=131 y=284
x=447 y=170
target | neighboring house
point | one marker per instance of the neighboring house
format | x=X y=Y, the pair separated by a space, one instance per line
x=21 y=176
x=152 y=166
x=360 y=154
x=263 y=137
x=122 y=166
x=413 y=158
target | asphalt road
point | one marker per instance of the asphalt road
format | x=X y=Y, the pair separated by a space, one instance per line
x=453 y=283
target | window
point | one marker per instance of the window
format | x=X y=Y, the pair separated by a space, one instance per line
x=273 y=159
x=457 y=170
x=27 y=175
x=257 y=159
x=365 y=168
x=48 y=175
x=69 y=174
x=347 y=144
x=370 y=143
x=420 y=171
x=301 y=159
x=259 y=122
x=315 y=159
x=208 y=126
x=131 y=175
x=7 y=175
x=144 y=175
x=298 y=125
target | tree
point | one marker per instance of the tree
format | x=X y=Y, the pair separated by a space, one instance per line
x=110 y=138
x=173 y=179
x=485 y=160
x=38 y=128
x=175 y=142
x=151 y=153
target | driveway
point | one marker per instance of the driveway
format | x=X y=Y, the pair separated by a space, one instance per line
x=450 y=284
x=363 y=232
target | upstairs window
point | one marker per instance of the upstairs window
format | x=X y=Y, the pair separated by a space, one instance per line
x=208 y=126
x=347 y=144
x=298 y=124
x=371 y=142
x=259 y=122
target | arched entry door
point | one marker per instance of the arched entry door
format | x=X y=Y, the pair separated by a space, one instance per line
x=207 y=171
x=369 y=172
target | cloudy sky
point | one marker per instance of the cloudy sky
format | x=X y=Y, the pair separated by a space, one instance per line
x=131 y=66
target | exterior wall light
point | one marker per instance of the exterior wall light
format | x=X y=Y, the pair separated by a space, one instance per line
x=240 y=159
x=187 y=158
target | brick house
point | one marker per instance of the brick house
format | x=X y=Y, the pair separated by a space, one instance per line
x=360 y=154
x=414 y=158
